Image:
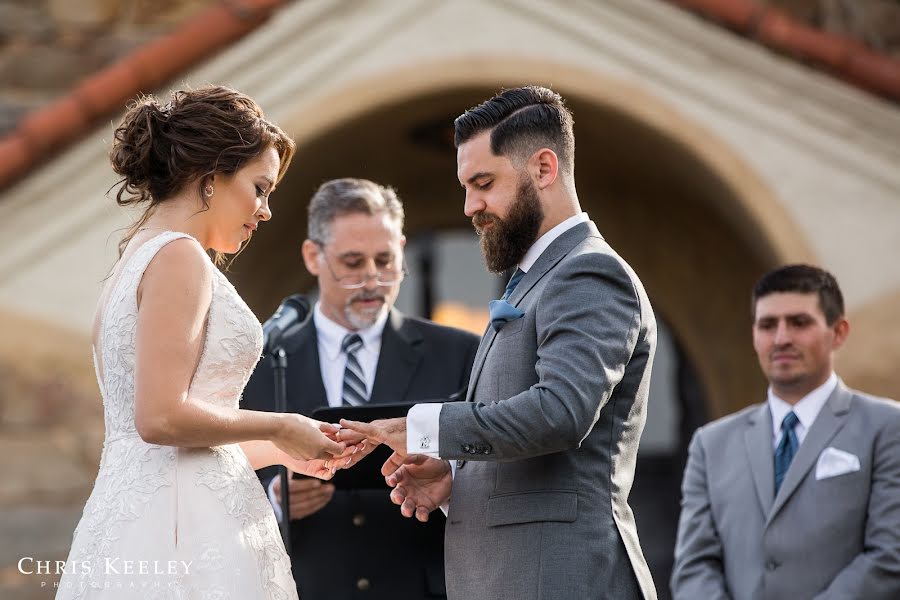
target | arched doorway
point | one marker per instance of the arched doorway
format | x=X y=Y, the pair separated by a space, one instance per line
x=680 y=206
x=696 y=225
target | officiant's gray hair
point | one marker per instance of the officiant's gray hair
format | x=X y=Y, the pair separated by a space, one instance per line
x=347 y=196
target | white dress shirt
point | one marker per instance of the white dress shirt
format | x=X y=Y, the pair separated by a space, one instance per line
x=806 y=409
x=423 y=420
x=333 y=362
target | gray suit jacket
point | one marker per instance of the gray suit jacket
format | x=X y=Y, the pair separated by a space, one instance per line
x=557 y=403
x=834 y=538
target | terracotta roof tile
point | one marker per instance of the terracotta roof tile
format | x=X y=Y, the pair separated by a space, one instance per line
x=843 y=57
x=43 y=132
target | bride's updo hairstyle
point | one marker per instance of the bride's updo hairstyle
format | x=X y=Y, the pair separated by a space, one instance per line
x=159 y=149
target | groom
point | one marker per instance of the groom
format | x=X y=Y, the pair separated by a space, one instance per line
x=544 y=450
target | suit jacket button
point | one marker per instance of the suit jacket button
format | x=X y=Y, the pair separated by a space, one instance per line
x=359 y=520
x=362 y=584
x=466 y=448
x=486 y=449
x=771 y=565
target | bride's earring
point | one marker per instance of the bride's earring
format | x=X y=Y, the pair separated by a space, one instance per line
x=209 y=190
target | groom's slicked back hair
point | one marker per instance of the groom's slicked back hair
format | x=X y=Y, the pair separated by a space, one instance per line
x=522 y=121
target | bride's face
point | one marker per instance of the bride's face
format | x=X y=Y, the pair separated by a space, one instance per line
x=240 y=201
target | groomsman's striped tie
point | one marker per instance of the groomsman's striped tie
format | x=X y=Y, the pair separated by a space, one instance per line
x=354 y=383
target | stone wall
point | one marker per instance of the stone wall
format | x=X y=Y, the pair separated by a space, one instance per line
x=46 y=46
x=51 y=432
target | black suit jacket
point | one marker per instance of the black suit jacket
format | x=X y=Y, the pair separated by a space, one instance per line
x=359 y=546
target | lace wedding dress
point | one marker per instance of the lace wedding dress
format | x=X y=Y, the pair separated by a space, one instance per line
x=167 y=522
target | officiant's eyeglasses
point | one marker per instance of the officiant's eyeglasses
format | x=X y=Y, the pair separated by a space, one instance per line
x=354 y=278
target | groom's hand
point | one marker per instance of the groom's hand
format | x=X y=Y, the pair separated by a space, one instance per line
x=390 y=432
x=421 y=484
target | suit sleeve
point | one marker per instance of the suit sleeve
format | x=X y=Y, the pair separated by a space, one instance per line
x=697 y=572
x=875 y=573
x=587 y=321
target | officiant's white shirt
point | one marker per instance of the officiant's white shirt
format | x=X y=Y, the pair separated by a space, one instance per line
x=333 y=362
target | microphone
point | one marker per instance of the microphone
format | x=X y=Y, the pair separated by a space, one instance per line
x=293 y=309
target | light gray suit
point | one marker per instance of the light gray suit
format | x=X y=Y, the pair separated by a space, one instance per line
x=835 y=537
x=557 y=403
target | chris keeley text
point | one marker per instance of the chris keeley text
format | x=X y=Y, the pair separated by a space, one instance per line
x=29 y=565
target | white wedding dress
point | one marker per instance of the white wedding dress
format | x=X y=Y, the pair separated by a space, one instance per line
x=193 y=522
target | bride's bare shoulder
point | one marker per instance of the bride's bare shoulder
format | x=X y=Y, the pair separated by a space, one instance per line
x=181 y=267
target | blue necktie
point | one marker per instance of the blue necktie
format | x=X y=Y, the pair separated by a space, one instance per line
x=513 y=282
x=786 y=449
x=354 y=392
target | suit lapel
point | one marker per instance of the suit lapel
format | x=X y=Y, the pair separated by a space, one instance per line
x=551 y=256
x=545 y=262
x=306 y=392
x=757 y=440
x=401 y=353
x=829 y=421
x=486 y=340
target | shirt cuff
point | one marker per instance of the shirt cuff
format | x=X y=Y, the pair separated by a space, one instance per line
x=423 y=429
x=276 y=506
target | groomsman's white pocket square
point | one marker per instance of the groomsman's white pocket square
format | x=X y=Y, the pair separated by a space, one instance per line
x=833 y=462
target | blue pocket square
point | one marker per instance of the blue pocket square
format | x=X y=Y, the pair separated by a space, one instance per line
x=502 y=312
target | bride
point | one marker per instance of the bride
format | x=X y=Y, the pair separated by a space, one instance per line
x=176 y=510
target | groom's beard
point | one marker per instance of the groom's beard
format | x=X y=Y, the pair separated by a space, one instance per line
x=505 y=243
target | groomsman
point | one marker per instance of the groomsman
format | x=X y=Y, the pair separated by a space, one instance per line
x=797 y=497
x=357 y=349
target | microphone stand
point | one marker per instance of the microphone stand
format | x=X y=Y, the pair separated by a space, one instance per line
x=292 y=310
x=279 y=368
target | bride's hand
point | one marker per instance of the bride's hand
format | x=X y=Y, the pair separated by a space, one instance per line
x=358 y=445
x=356 y=449
x=300 y=439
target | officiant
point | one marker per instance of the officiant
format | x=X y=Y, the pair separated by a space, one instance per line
x=356 y=349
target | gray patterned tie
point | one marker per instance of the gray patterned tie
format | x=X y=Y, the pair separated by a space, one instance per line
x=513 y=282
x=354 y=393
